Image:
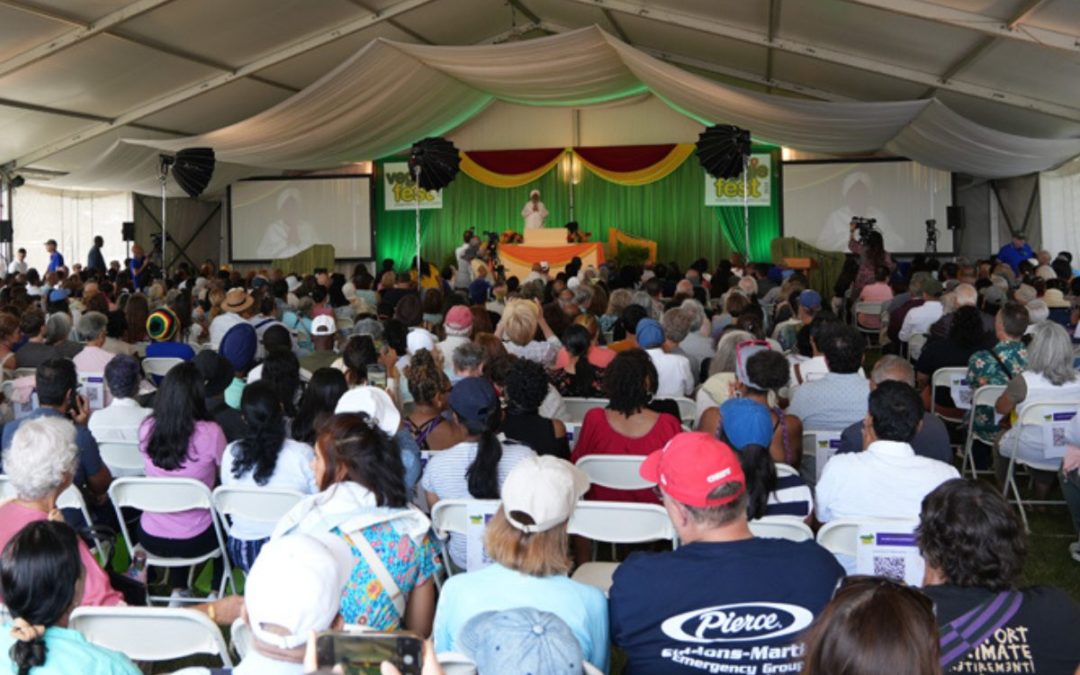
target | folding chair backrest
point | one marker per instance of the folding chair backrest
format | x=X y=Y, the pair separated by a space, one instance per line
x=945 y=377
x=871 y=308
x=160 y=495
x=987 y=394
x=456 y=664
x=452 y=515
x=781 y=527
x=151 y=633
x=1045 y=412
x=821 y=445
x=265 y=505
x=618 y=472
x=70 y=498
x=123 y=459
x=785 y=470
x=577 y=407
x=840 y=536
x=687 y=410
x=159 y=366
x=621 y=522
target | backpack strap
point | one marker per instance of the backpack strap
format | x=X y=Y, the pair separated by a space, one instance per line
x=379 y=570
x=966 y=632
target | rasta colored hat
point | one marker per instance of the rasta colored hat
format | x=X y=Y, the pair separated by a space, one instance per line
x=162 y=325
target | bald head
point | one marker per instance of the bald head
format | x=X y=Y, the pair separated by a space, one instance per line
x=892 y=368
x=966 y=296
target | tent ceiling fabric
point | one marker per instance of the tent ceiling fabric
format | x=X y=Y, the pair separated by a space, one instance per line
x=370 y=90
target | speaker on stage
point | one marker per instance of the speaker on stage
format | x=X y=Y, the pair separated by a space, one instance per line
x=954 y=217
x=129 y=231
x=7 y=232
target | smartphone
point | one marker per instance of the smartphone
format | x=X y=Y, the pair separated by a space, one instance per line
x=362 y=653
x=376 y=375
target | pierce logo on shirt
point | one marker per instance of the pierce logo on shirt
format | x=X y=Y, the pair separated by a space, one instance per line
x=740 y=622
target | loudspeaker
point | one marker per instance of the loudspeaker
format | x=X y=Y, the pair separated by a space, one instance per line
x=7 y=234
x=129 y=231
x=954 y=217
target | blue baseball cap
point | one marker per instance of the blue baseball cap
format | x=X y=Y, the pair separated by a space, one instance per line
x=59 y=294
x=746 y=422
x=520 y=641
x=649 y=333
x=474 y=398
x=810 y=299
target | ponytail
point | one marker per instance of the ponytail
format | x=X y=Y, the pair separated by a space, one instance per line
x=760 y=472
x=483 y=473
x=28 y=651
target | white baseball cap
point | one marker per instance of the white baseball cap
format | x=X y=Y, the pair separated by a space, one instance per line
x=544 y=490
x=323 y=325
x=373 y=401
x=292 y=283
x=296 y=583
x=419 y=338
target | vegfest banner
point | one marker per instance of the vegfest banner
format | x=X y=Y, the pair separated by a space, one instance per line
x=400 y=191
x=729 y=191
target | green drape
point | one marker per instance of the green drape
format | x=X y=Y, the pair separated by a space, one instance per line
x=829 y=263
x=671 y=212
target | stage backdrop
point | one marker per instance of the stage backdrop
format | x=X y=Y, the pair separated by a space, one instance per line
x=660 y=195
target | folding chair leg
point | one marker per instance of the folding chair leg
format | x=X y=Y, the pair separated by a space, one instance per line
x=1010 y=483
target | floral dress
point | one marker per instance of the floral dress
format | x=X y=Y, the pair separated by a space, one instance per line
x=1006 y=361
x=364 y=601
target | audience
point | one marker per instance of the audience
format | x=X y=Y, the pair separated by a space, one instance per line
x=721 y=584
x=119 y=422
x=517 y=328
x=320 y=398
x=430 y=389
x=673 y=376
x=837 y=399
x=918 y=320
x=579 y=368
x=526 y=388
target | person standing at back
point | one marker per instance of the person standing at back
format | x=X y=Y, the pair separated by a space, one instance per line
x=724 y=601
x=56 y=259
x=95 y=261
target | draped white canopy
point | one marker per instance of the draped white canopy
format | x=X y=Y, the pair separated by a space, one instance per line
x=390 y=94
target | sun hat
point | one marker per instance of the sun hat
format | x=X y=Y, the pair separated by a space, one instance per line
x=162 y=325
x=541 y=492
x=521 y=641
x=236 y=300
x=691 y=466
x=1055 y=299
x=375 y=403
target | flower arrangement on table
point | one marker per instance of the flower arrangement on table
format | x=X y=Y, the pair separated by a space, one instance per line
x=511 y=237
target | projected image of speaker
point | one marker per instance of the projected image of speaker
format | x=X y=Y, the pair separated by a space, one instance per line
x=954 y=218
x=7 y=232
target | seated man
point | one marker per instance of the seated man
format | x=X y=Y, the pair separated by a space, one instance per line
x=974 y=547
x=887 y=480
x=724 y=601
x=119 y=422
x=838 y=399
x=932 y=439
x=919 y=319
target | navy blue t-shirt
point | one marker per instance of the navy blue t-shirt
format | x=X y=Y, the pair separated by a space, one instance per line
x=726 y=607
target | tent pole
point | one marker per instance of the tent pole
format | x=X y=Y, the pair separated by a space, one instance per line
x=416 y=194
x=746 y=206
x=164 y=229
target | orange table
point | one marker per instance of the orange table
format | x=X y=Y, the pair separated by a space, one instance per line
x=518 y=259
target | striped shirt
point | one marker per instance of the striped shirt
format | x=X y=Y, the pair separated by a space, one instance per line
x=792 y=497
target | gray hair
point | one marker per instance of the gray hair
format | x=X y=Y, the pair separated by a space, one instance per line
x=583 y=296
x=41 y=457
x=92 y=325
x=1050 y=353
x=748 y=285
x=1038 y=311
x=57 y=328
x=697 y=314
x=642 y=299
x=892 y=368
x=966 y=295
x=724 y=361
x=467 y=357
x=676 y=324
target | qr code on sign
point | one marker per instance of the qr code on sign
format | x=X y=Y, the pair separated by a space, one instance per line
x=1059 y=436
x=892 y=567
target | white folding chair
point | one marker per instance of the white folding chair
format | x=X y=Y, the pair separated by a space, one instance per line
x=151 y=633
x=617 y=472
x=618 y=523
x=781 y=527
x=1037 y=413
x=452 y=516
x=159 y=366
x=577 y=407
x=687 y=410
x=70 y=498
x=25 y=372
x=169 y=495
x=454 y=663
x=785 y=470
x=123 y=459
x=818 y=446
x=915 y=346
x=841 y=536
x=944 y=377
x=873 y=308
x=265 y=505
x=984 y=396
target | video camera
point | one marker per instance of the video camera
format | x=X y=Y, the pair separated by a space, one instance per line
x=865 y=226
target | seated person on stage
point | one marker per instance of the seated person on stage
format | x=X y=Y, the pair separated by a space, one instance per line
x=838 y=399
x=974 y=547
x=887 y=480
x=932 y=439
x=665 y=607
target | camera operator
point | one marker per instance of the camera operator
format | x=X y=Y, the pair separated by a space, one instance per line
x=871 y=252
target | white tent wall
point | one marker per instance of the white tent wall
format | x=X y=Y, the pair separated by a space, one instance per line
x=191 y=222
x=72 y=219
x=1059 y=201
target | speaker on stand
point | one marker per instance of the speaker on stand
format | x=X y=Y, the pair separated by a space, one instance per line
x=955 y=220
x=128 y=233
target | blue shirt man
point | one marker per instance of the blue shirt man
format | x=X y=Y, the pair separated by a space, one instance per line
x=56 y=259
x=1015 y=252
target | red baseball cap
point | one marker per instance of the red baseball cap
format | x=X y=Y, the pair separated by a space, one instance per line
x=692 y=465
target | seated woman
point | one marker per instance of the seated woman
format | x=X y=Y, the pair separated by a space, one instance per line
x=627 y=426
x=43 y=578
x=180 y=441
x=317 y=405
x=363 y=504
x=578 y=370
x=747 y=427
x=359 y=353
x=40 y=464
x=722 y=380
x=476 y=467
x=526 y=389
x=878 y=291
x=761 y=374
x=9 y=337
x=871 y=624
x=974 y=547
x=430 y=389
x=163 y=327
x=530 y=566
x=966 y=336
x=281 y=370
x=265 y=458
x=518 y=326
x=1049 y=376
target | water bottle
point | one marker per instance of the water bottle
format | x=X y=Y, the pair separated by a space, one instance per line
x=137 y=571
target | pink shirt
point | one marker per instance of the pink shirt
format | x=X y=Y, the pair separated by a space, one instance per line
x=878 y=291
x=205 y=448
x=14 y=516
x=601 y=357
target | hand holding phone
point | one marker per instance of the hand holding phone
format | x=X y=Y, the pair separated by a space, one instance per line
x=365 y=653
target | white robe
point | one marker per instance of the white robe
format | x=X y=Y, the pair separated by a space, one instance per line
x=275 y=242
x=534 y=218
